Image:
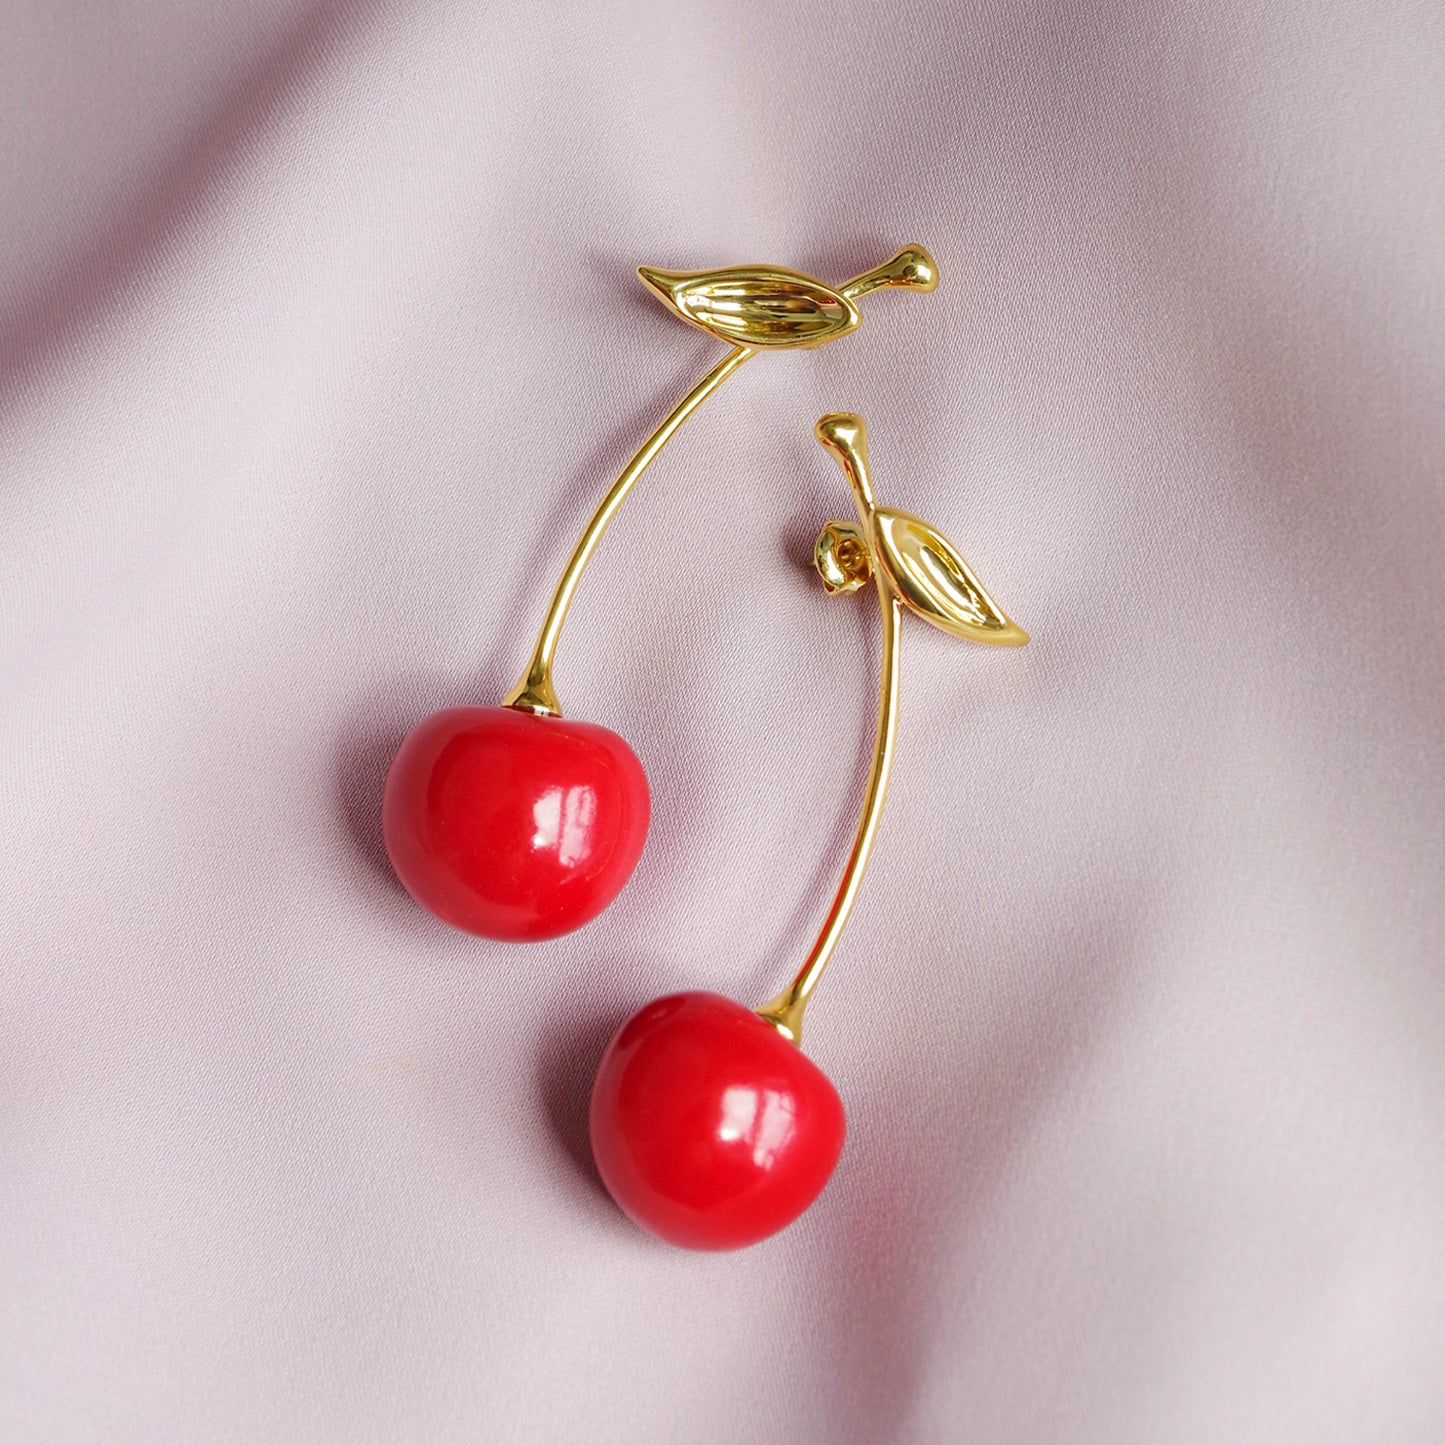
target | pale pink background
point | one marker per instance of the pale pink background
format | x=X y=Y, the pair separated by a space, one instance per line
x=320 y=334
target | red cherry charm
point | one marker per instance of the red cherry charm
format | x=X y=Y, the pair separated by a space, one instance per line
x=511 y=825
x=709 y=1128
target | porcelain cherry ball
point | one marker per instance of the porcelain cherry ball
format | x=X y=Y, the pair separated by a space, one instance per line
x=709 y=1127
x=512 y=825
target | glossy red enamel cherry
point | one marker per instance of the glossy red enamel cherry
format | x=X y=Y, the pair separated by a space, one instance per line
x=511 y=825
x=709 y=1128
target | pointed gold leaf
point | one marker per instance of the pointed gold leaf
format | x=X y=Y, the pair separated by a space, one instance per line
x=757 y=306
x=932 y=580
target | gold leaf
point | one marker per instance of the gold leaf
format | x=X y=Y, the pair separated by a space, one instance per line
x=756 y=306
x=932 y=580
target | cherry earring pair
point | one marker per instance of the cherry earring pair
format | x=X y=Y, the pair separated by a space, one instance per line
x=709 y=1125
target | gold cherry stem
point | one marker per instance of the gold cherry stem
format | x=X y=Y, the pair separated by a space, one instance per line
x=535 y=692
x=785 y=1012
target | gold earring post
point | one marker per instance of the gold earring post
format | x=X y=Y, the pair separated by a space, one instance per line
x=753 y=308
x=913 y=566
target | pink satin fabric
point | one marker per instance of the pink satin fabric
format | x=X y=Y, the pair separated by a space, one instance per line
x=319 y=336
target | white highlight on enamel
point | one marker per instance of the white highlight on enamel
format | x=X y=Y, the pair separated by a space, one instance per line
x=563 y=821
x=740 y=1108
x=766 y=1129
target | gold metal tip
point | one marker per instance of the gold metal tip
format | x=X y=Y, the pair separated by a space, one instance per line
x=914 y=267
x=845 y=434
x=910 y=266
x=660 y=281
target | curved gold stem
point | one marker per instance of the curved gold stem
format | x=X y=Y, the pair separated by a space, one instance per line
x=535 y=692
x=912 y=565
x=785 y=1012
